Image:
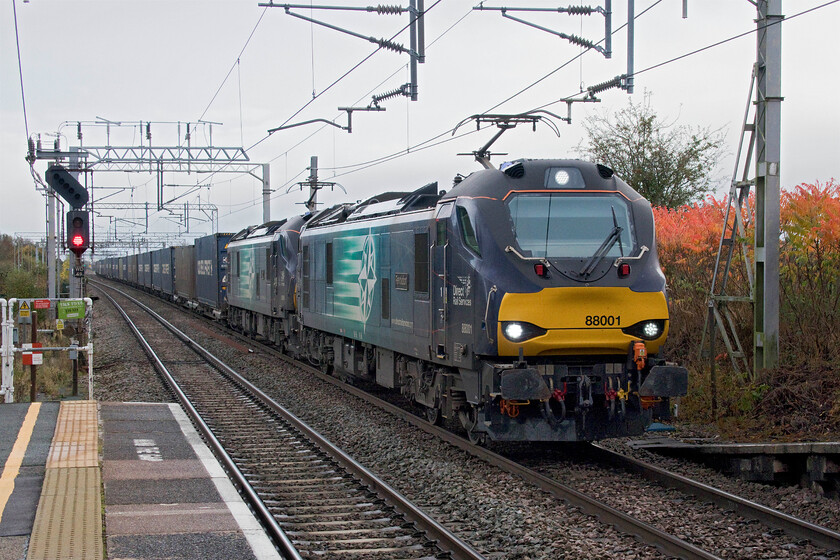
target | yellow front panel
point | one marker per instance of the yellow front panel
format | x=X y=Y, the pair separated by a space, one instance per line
x=581 y=320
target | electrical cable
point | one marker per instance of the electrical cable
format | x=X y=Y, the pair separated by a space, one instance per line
x=568 y=62
x=384 y=159
x=267 y=136
x=20 y=71
x=234 y=64
x=355 y=66
x=429 y=143
x=707 y=47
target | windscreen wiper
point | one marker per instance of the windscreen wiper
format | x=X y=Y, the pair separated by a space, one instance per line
x=602 y=251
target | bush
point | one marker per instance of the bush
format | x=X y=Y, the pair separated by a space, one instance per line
x=804 y=385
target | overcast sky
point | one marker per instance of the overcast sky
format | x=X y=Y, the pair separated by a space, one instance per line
x=164 y=61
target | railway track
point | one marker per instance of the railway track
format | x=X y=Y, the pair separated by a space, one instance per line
x=313 y=498
x=796 y=528
x=644 y=532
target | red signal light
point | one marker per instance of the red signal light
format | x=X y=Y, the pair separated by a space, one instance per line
x=78 y=241
x=623 y=270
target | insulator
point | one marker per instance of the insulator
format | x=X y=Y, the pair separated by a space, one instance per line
x=580 y=10
x=615 y=82
x=394 y=93
x=389 y=10
x=390 y=45
x=580 y=41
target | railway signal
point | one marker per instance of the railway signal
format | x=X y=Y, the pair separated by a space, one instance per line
x=78 y=231
x=66 y=186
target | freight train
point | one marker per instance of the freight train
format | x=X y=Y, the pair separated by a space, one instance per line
x=527 y=302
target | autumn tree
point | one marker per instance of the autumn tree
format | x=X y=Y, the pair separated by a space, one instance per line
x=671 y=165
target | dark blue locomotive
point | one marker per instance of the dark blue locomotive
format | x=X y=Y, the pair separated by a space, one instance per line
x=528 y=302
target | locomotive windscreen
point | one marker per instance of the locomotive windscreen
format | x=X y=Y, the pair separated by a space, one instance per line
x=563 y=226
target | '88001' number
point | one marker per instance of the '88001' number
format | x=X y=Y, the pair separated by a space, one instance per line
x=603 y=320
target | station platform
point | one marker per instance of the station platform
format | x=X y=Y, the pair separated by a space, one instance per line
x=87 y=480
x=810 y=464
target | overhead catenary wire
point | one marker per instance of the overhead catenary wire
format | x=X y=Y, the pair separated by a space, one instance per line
x=375 y=88
x=707 y=47
x=431 y=142
x=234 y=65
x=305 y=105
x=358 y=64
x=20 y=71
x=365 y=165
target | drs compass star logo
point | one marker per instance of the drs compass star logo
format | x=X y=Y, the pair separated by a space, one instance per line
x=367 y=278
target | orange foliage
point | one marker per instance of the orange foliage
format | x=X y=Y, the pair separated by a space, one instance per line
x=811 y=215
x=688 y=240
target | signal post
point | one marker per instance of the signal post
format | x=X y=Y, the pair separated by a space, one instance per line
x=77 y=223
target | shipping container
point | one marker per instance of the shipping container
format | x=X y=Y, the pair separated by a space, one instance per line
x=184 y=262
x=144 y=269
x=162 y=271
x=211 y=271
x=133 y=273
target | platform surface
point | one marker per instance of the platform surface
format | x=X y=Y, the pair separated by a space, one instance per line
x=22 y=475
x=163 y=492
x=807 y=448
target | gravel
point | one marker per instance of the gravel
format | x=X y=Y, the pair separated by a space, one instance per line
x=497 y=513
x=121 y=370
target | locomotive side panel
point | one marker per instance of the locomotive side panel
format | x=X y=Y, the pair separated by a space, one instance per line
x=343 y=289
x=249 y=276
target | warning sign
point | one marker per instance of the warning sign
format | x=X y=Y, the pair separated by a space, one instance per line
x=24 y=309
x=59 y=325
x=32 y=358
x=41 y=304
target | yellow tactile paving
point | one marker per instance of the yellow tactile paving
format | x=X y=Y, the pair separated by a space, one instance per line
x=68 y=524
x=75 y=443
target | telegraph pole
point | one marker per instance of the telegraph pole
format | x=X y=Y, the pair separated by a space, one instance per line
x=767 y=183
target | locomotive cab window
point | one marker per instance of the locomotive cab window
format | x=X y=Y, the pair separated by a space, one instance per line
x=467 y=230
x=443 y=215
x=555 y=225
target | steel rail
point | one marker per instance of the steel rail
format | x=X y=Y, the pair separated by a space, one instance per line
x=797 y=528
x=272 y=527
x=450 y=542
x=645 y=533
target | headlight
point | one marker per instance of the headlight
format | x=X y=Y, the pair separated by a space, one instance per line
x=646 y=330
x=651 y=330
x=517 y=331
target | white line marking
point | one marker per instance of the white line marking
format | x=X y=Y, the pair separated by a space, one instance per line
x=253 y=531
